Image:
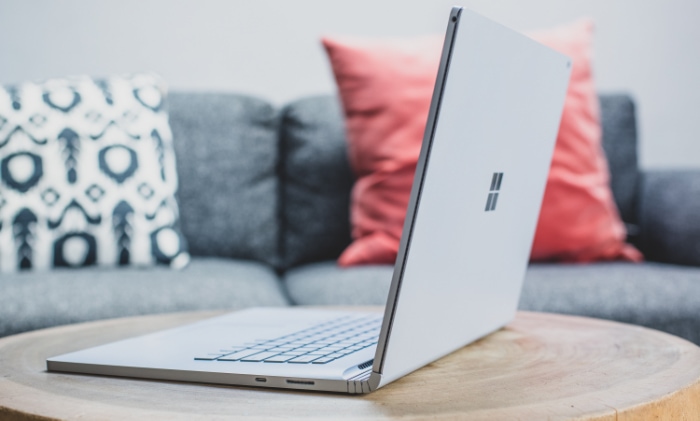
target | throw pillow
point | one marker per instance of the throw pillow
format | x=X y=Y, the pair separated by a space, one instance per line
x=87 y=175
x=579 y=221
x=385 y=88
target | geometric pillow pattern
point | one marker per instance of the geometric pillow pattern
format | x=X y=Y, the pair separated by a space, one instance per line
x=87 y=175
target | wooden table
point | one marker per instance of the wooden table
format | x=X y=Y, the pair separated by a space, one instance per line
x=542 y=366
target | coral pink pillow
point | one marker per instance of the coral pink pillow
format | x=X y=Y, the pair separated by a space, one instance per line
x=386 y=88
x=579 y=221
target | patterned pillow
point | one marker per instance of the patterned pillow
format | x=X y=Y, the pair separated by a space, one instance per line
x=87 y=175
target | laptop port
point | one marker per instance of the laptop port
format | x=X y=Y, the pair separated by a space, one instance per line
x=304 y=382
x=261 y=379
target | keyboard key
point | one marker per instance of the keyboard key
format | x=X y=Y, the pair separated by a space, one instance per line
x=208 y=357
x=304 y=359
x=333 y=347
x=281 y=348
x=281 y=358
x=260 y=356
x=256 y=346
x=315 y=338
x=231 y=350
x=238 y=355
x=323 y=360
x=295 y=352
x=306 y=348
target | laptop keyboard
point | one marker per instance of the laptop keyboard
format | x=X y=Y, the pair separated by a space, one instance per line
x=319 y=344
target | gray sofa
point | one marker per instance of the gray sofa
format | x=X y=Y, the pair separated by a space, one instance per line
x=264 y=195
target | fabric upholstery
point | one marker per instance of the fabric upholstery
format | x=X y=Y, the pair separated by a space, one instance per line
x=226 y=151
x=326 y=283
x=88 y=174
x=385 y=87
x=669 y=216
x=579 y=221
x=617 y=118
x=660 y=296
x=42 y=299
x=313 y=149
x=316 y=181
x=226 y=147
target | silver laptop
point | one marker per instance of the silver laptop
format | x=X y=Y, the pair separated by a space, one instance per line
x=471 y=219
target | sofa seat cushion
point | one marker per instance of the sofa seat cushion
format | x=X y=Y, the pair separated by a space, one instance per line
x=36 y=300
x=326 y=283
x=659 y=296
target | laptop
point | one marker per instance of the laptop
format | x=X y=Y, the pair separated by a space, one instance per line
x=469 y=227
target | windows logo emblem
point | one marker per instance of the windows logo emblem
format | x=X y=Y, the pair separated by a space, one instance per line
x=493 y=193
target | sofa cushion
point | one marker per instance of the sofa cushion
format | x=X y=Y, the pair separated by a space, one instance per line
x=620 y=144
x=385 y=87
x=326 y=283
x=663 y=297
x=579 y=220
x=316 y=181
x=659 y=296
x=669 y=205
x=226 y=147
x=88 y=174
x=43 y=299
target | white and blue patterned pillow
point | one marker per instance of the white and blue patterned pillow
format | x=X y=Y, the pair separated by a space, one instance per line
x=87 y=175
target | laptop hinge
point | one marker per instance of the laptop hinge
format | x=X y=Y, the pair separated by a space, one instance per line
x=365 y=382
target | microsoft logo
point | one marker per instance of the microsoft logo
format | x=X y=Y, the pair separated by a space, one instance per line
x=493 y=193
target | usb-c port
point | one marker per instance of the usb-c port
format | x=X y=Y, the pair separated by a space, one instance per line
x=261 y=379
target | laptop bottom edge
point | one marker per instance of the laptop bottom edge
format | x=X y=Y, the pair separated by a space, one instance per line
x=358 y=384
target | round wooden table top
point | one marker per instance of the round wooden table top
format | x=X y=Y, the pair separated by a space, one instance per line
x=542 y=366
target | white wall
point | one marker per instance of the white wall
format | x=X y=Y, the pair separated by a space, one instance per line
x=649 y=48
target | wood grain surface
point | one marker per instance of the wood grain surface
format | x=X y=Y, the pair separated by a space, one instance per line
x=540 y=367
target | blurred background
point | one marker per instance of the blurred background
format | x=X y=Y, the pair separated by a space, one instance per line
x=270 y=48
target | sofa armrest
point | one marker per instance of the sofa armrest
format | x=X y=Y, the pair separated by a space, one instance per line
x=669 y=216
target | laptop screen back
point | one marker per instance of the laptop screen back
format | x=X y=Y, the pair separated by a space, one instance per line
x=477 y=193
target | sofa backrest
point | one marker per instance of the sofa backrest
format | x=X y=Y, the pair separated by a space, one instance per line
x=274 y=185
x=227 y=147
x=317 y=180
x=619 y=124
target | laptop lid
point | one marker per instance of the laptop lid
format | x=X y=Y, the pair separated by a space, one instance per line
x=476 y=195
